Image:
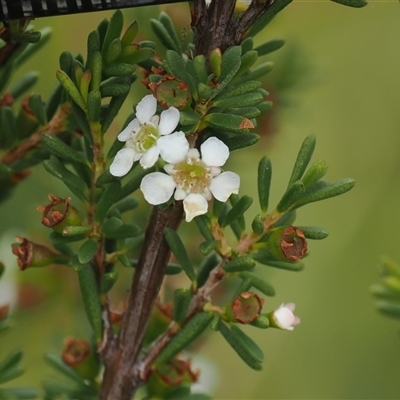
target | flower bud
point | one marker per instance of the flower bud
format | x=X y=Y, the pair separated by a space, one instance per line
x=283 y=317
x=79 y=355
x=246 y=307
x=288 y=244
x=59 y=214
x=34 y=255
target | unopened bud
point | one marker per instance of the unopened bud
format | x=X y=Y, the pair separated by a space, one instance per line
x=287 y=244
x=34 y=255
x=59 y=214
x=246 y=307
x=79 y=355
x=283 y=317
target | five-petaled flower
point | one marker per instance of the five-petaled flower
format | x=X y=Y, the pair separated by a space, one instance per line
x=283 y=317
x=194 y=180
x=148 y=136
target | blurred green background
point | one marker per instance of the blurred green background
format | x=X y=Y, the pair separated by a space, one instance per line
x=343 y=66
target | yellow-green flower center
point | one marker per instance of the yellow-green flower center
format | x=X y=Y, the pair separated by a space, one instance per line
x=192 y=175
x=146 y=138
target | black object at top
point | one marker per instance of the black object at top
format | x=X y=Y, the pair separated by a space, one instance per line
x=16 y=9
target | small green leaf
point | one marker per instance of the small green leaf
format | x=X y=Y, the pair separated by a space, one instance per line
x=71 y=89
x=255 y=73
x=107 y=281
x=71 y=231
x=111 y=224
x=178 y=69
x=200 y=67
x=290 y=197
x=95 y=65
x=240 y=347
x=237 y=210
x=120 y=69
x=258 y=224
x=247 y=45
x=352 y=3
x=266 y=260
x=303 y=158
x=87 y=251
x=20 y=393
x=94 y=105
x=60 y=149
x=247 y=61
x=269 y=47
x=190 y=331
x=228 y=122
x=73 y=182
x=241 y=141
x=240 y=89
x=113 y=51
x=179 y=251
x=25 y=37
x=189 y=117
x=109 y=196
x=182 y=299
x=332 y=190
x=314 y=232
x=91 y=300
x=114 y=30
x=169 y=26
x=114 y=89
x=208 y=246
x=258 y=283
x=248 y=342
x=129 y=35
x=264 y=183
x=93 y=44
x=314 y=173
x=37 y=107
x=240 y=264
x=124 y=205
x=244 y=100
x=125 y=231
x=231 y=60
x=164 y=35
x=66 y=61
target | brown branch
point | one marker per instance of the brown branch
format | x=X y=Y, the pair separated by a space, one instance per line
x=118 y=382
x=54 y=126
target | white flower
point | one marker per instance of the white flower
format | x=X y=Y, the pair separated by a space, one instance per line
x=148 y=136
x=284 y=318
x=194 y=180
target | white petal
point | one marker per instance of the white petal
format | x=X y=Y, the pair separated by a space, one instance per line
x=173 y=148
x=157 y=188
x=214 y=152
x=180 y=194
x=150 y=157
x=169 y=120
x=223 y=185
x=169 y=168
x=130 y=130
x=193 y=153
x=146 y=108
x=194 y=205
x=123 y=162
